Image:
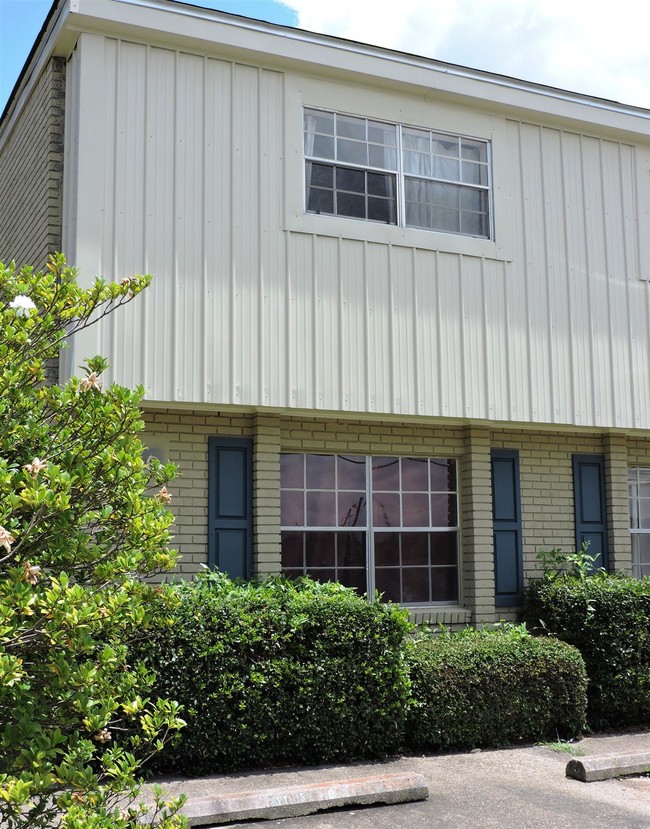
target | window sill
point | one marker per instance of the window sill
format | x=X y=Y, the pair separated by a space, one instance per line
x=366 y=231
x=447 y=616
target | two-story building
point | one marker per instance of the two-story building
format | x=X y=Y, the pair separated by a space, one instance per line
x=399 y=331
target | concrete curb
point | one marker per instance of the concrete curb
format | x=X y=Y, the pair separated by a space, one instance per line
x=292 y=801
x=591 y=769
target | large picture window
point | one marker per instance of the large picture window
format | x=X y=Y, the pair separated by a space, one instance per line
x=382 y=523
x=639 y=492
x=400 y=175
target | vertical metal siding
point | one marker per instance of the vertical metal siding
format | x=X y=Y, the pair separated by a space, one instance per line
x=474 y=357
x=426 y=331
x=597 y=280
x=159 y=243
x=558 y=320
x=496 y=335
x=377 y=297
x=452 y=358
x=188 y=262
x=581 y=358
x=243 y=311
x=404 y=355
x=125 y=182
x=246 y=345
x=301 y=342
x=218 y=327
x=272 y=295
x=326 y=321
x=520 y=366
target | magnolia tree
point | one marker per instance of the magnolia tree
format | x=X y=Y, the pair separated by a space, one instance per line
x=82 y=518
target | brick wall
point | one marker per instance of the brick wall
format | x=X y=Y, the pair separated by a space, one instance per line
x=185 y=436
x=638 y=451
x=546 y=476
x=546 y=479
x=370 y=438
x=31 y=173
x=477 y=541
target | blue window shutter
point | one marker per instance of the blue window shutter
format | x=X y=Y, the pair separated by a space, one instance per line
x=230 y=506
x=506 y=523
x=591 y=505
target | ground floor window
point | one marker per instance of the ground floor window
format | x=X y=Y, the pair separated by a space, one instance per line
x=639 y=492
x=373 y=523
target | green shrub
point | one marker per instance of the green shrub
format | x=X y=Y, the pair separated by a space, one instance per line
x=281 y=672
x=607 y=618
x=493 y=687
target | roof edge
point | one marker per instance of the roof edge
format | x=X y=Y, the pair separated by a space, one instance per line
x=395 y=55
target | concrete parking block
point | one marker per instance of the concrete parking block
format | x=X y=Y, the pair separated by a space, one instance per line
x=304 y=799
x=604 y=767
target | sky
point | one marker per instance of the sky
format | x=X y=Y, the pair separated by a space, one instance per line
x=584 y=46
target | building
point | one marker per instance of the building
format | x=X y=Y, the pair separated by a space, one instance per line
x=399 y=328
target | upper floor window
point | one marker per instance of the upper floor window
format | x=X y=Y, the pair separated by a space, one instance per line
x=639 y=492
x=399 y=175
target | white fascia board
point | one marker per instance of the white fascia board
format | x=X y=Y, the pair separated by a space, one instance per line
x=182 y=26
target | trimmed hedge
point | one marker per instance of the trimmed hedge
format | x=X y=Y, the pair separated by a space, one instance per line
x=493 y=687
x=607 y=618
x=280 y=672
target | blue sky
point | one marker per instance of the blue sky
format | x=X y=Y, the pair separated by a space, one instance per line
x=577 y=45
x=21 y=21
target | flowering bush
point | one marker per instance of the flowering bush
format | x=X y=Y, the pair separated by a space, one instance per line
x=82 y=516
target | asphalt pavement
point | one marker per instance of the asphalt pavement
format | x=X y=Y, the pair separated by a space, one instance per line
x=516 y=788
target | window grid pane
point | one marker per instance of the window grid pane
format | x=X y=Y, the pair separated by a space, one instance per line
x=639 y=500
x=441 y=180
x=410 y=539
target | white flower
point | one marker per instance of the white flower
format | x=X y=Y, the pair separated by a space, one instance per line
x=103 y=736
x=32 y=572
x=35 y=467
x=6 y=539
x=163 y=496
x=91 y=382
x=23 y=305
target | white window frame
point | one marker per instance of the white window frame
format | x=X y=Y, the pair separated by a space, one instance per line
x=370 y=529
x=401 y=175
x=635 y=496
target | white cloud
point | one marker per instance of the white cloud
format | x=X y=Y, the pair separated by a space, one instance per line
x=587 y=47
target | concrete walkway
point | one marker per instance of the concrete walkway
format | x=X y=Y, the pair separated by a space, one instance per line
x=517 y=788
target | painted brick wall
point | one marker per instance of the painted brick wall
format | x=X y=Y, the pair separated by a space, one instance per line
x=185 y=437
x=369 y=438
x=546 y=473
x=267 y=558
x=638 y=451
x=31 y=173
x=546 y=486
x=477 y=539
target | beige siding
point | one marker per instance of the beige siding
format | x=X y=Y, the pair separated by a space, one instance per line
x=257 y=304
x=31 y=172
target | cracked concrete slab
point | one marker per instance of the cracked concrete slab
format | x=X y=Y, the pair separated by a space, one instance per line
x=304 y=799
